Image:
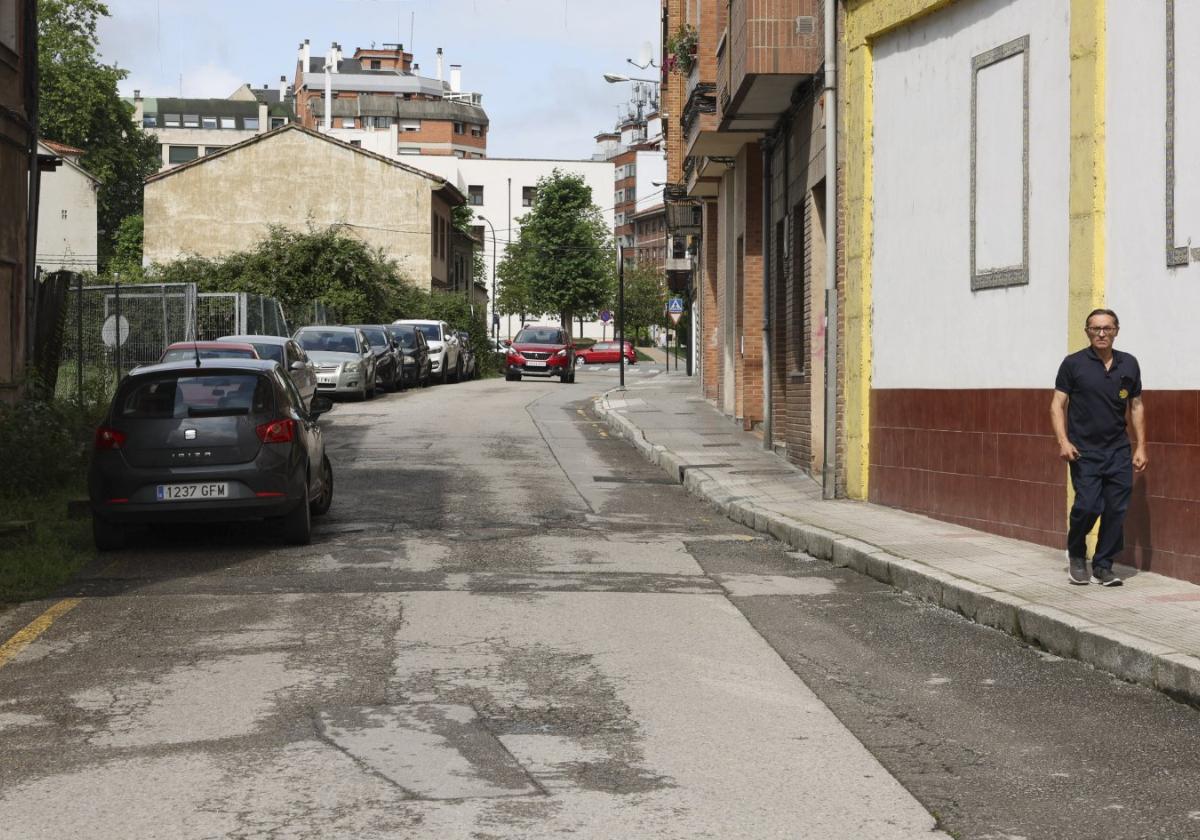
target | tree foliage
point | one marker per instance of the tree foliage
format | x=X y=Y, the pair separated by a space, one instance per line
x=78 y=104
x=645 y=299
x=562 y=260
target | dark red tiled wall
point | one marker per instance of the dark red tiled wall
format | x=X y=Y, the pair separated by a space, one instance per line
x=1162 y=531
x=981 y=458
x=987 y=459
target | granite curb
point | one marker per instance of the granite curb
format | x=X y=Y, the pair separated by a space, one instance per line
x=1131 y=658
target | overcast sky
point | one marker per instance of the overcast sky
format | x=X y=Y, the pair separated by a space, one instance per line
x=538 y=63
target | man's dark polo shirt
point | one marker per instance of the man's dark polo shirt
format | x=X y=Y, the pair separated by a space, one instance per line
x=1098 y=397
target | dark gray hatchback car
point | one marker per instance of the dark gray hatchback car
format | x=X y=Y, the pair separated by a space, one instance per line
x=225 y=440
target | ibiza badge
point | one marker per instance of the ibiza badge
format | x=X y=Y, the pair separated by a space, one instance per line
x=1123 y=393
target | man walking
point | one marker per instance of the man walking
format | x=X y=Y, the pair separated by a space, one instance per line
x=1096 y=389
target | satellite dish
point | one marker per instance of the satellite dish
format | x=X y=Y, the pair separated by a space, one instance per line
x=646 y=54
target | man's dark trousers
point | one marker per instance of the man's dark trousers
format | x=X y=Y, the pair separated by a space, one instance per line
x=1103 y=482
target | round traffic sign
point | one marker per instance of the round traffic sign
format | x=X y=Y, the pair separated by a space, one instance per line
x=109 y=332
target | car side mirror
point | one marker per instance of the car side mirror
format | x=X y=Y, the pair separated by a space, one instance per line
x=507 y=342
x=318 y=405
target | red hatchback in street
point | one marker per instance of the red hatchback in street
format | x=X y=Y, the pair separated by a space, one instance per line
x=540 y=351
x=603 y=352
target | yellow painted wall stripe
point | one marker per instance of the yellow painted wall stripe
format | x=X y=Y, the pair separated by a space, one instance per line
x=29 y=633
x=866 y=20
x=1087 y=259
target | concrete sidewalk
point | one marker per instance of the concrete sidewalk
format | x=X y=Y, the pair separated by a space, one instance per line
x=1147 y=631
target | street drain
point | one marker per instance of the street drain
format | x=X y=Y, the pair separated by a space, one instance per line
x=625 y=479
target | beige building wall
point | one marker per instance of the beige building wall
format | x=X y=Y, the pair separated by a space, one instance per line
x=226 y=202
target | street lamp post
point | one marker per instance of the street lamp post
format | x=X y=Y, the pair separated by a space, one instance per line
x=621 y=311
x=495 y=314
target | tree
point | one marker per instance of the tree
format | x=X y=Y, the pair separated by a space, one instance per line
x=513 y=295
x=78 y=104
x=562 y=261
x=645 y=299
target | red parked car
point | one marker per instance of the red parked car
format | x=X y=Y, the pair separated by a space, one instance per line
x=606 y=352
x=540 y=351
x=182 y=351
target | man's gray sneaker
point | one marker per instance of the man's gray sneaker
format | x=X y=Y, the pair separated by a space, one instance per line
x=1105 y=577
x=1077 y=572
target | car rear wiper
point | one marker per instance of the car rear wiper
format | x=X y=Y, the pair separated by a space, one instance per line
x=227 y=411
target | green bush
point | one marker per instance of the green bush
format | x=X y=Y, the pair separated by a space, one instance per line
x=44 y=445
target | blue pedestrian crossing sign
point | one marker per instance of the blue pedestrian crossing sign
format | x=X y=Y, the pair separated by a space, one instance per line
x=675 y=309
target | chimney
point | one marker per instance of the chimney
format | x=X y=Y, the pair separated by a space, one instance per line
x=439 y=64
x=328 y=121
x=283 y=88
x=304 y=56
x=264 y=121
x=331 y=58
x=138 y=107
x=416 y=68
x=456 y=78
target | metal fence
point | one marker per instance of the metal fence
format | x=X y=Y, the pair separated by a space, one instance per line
x=109 y=330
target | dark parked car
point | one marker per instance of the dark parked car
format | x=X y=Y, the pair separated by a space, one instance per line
x=540 y=351
x=415 y=365
x=387 y=357
x=290 y=356
x=229 y=440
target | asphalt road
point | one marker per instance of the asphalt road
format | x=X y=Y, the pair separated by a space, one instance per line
x=509 y=625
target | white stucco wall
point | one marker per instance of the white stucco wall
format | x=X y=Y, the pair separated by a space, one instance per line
x=66 y=235
x=1152 y=299
x=929 y=329
x=651 y=169
x=503 y=180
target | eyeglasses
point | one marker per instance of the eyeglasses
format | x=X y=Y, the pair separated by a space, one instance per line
x=1103 y=330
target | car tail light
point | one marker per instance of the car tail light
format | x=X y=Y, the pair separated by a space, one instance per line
x=277 y=431
x=109 y=438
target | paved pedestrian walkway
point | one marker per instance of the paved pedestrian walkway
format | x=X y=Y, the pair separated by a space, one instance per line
x=1147 y=631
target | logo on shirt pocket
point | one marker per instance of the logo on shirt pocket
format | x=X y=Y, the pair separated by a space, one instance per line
x=1126 y=383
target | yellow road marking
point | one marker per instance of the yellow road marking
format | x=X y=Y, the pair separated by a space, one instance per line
x=29 y=633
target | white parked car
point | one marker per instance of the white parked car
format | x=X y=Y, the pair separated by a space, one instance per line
x=445 y=352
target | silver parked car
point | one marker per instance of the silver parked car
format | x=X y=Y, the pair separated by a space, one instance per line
x=218 y=441
x=290 y=355
x=344 y=360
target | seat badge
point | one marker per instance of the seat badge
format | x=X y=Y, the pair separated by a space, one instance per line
x=189 y=434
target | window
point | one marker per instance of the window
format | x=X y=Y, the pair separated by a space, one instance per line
x=410 y=125
x=228 y=122
x=476 y=131
x=277 y=122
x=208 y=150
x=208 y=122
x=528 y=194
x=619 y=197
x=381 y=122
x=64 y=214
x=347 y=122
x=631 y=193
x=171 y=120
x=459 y=153
x=475 y=195
x=376 y=64
x=182 y=154
x=250 y=123
x=458 y=128
x=8 y=24
x=408 y=150
x=191 y=120
x=356 y=143
x=149 y=121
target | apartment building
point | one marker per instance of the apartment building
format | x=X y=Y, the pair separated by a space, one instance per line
x=745 y=206
x=67 y=204
x=379 y=100
x=189 y=128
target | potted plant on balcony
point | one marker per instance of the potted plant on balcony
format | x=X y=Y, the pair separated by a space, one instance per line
x=681 y=49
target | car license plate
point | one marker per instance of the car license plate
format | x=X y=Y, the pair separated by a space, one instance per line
x=326 y=380
x=534 y=363
x=183 y=492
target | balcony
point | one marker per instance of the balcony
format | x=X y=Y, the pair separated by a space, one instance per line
x=769 y=48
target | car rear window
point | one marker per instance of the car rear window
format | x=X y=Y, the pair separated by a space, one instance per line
x=181 y=354
x=540 y=337
x=376 y=338
x=404 y=335
x=273 y=352
x=329 y=341
x=194 y=395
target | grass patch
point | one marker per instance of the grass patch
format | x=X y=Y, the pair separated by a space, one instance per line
x=642 y=357
x=33 y=567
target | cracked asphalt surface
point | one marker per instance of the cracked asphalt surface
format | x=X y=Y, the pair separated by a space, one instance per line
x=510 y=626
